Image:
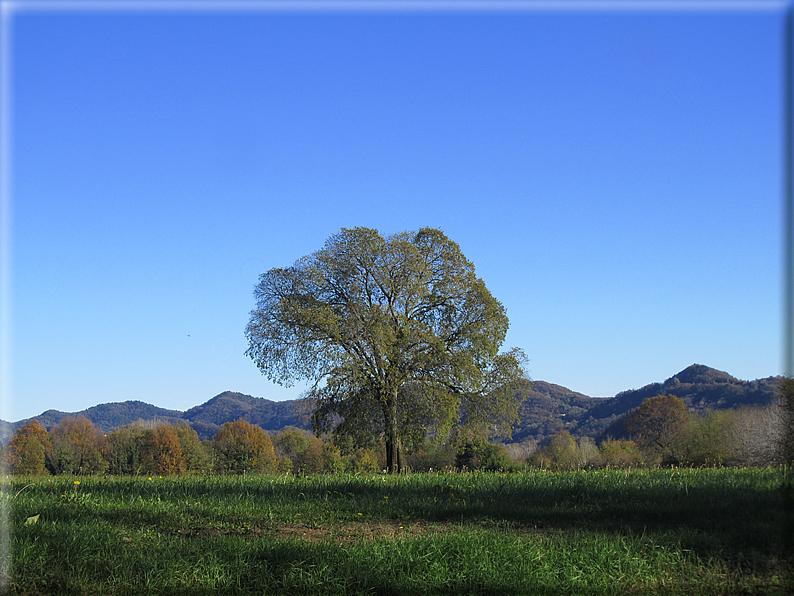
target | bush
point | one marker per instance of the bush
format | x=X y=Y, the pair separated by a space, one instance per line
x=620 y=454
x=566 y=453
x=486 y=457
x=431 y=455
x=364 y=461
x=705 y=440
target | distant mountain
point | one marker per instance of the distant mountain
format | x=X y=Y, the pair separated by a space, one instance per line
x=208 y=418
x=110 y=416
x=104 y=416
x=549 y=408
x=205 y=419
x=545 y=409
x=701 y=388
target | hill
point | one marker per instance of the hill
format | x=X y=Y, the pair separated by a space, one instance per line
x=208 y=418
x=545 y=409
x=549 y=408
x=205 y=419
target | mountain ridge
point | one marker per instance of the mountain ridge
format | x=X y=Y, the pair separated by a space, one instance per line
x=545 y=407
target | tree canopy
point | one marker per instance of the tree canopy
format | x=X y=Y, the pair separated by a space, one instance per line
x=396 y=334
x=656 y=425
x=27 y=448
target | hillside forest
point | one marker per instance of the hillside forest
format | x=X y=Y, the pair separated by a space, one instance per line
x=662 y=430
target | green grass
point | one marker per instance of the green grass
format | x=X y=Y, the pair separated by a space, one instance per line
x=606 y=532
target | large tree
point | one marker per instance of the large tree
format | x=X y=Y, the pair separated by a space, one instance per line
x=396 y=334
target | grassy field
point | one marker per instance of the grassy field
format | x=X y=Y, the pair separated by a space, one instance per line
x=595 y=532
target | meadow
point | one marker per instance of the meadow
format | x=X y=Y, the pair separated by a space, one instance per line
x=679 y=531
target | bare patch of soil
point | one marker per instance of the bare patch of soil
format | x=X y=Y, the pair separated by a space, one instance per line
x=355 y=532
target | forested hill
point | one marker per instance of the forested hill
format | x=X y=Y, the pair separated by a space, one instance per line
x=545 y=409
x=206 y=419
x=549 y=408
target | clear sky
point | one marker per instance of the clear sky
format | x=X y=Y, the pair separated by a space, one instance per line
x=614 y=174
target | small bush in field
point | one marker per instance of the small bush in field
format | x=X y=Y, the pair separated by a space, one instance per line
x=620 y=454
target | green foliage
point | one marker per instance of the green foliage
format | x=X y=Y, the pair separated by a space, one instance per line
x=123 y=450
x=397 y=335
x=620 y=454
x=432 y=456
x=197 y=459
x=483 y=456
x=292 y=442
x=319 y=457
x=706 y=440
x=564 y=452
x=365 y=461
x=559 y=454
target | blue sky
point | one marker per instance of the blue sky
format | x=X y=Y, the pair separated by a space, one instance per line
x=614 y=175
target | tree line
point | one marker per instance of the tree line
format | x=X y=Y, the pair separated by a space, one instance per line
x=662 y=432
x=75 y=446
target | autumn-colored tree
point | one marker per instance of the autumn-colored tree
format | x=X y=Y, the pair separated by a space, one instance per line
x=242 y=447
x=311 y=461
x=27 y=448
x=123 y=450
x=655 y=427
x=77 y=447
x=163 y=453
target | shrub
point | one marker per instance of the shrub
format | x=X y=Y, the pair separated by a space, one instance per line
x=620 y=454
x=364 y=461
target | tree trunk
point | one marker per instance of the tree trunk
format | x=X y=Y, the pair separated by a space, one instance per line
x=394 y=457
